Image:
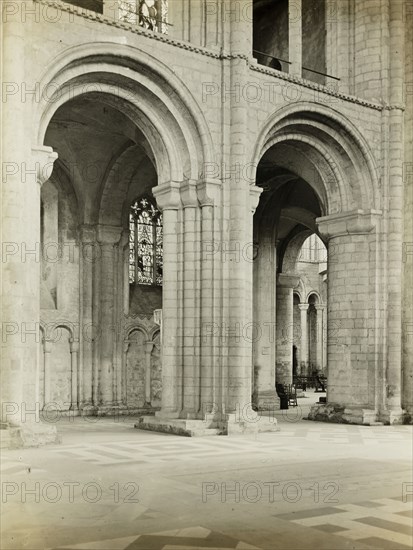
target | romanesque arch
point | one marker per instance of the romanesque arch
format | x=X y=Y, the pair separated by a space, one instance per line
x=340 y=165
x=318 y=176
x=170 y=118
x=160 y=145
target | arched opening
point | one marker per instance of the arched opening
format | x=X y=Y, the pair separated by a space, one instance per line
x=148 y=14
x=293 y=37
x=106 y=165
x=270 y=34
x=283 y=223
x=136 y=370
x=116 y=151
x=309 y=310
x=308 y=185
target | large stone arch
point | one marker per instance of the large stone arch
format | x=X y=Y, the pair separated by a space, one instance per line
x=113 y=207
x=316 y=295
x=335 y=158
x=141 y=87
x=134 y=366
x=292 y=251
x=324 y=149
x=166 y=125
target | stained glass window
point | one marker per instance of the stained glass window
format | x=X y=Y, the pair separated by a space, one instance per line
x=150 y=14
x=145 y=242
x=128 y=11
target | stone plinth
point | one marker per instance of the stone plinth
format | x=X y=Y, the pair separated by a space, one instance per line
x=31 y=434
x=230 y=424
x=266 y=400
x=177 y=426
x=332 y=412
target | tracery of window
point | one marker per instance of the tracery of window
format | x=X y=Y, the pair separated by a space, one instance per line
x=145 y=243
x=313 y=250
x=149 y=14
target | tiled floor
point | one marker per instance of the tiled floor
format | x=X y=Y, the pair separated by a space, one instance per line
x=190 y=538
x=308 y=486
x=385 y=523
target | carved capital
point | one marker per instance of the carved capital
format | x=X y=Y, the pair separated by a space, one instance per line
x=303 y=307
x=356 y=222
x=288 y=280
x=188 y=194
x=157 y=317
x=44 y=158
x=149 y=346
x=209 y=192
x=168 y=195
x=47 y=346
x=74 y=345
x=109 y=234
x=87 y=233
x=255 y=193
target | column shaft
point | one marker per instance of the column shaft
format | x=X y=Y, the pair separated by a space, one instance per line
x=209 y=197
x=295 y=36
x=240 y=305
x=264 y=336
x=88 y=257
x=304 y=338
x=47 y=351
x=325 y=324
x=395 y=217
x=170 y=319
x=190 y=340
x=96 y=326
x=284 y=328
x=109 y=237
x=352 y=311
x=20 y=218
x=208 y=374
x=74 y=349
x=320 y=340
x=148 y=352
x=106 y=326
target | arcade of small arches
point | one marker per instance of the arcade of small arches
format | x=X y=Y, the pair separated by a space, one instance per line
x=129 y=182
x=310 y=310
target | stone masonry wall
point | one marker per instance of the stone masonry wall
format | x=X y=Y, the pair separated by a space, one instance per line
x=237 y=99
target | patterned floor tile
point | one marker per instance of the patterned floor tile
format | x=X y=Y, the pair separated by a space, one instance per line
x=13 y=466
x=370 y=504
x=190 y=538
x=406 y=513
x=314 y=513
x=329 y=528
x=384 y=544
x=113 y=544
x=397 y=527
x=158 y=449
x=389 y=524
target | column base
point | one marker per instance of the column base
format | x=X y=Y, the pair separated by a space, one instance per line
x=250 y=423
x=120 y=410
x=178 y=426
x=408 y=416
x=266 y=400
x=230 y=424
x=391 y=417
x=167 y=413
x=340 y=414
x=89 y=410
x=30 y=434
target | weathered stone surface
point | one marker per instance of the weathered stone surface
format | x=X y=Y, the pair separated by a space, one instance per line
x=245 y=160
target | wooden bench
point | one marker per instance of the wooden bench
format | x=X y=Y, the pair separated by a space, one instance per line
x=287 y=394
x=321 y=383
